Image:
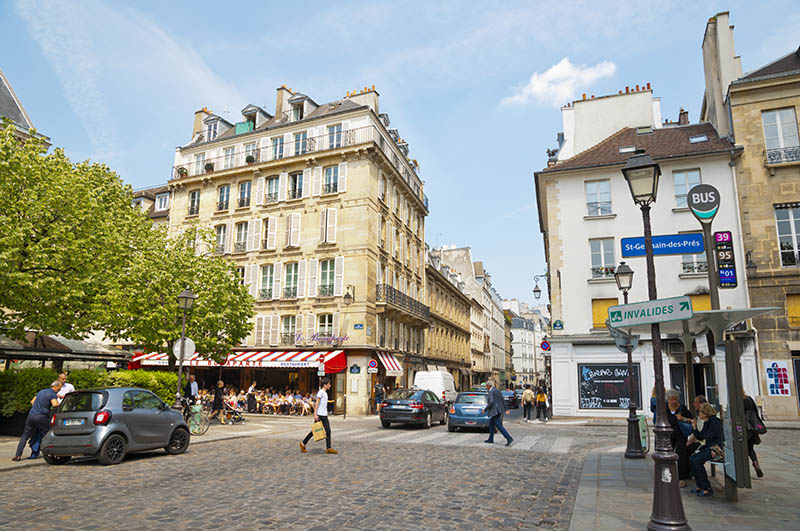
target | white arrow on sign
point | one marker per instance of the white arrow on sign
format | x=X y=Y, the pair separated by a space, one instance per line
x=649 y=312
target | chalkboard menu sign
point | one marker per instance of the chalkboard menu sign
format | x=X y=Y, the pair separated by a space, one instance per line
x=607 y=386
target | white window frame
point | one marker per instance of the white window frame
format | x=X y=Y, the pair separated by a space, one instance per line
x=199 y=163
x=221 y=232
x=301 y=142
x=211 y=130
x=162 y=202
x=331 y=184
x=246 y=187
x=327 y=287
x=194 y=199
x=272 y=191
x=223 y=197
x=267 y=276
x=290 y=277
x=241 y=235
x=250 y=149
x=229 y=157
x=240 y=274
x=334 y=136
x=325 y=324
x=277 y=147
x=294 y=186
x=595 y=206
x=680 y=178
x=793 y=234
x=604 y=268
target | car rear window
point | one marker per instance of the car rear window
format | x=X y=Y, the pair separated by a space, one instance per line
x=405 y=394
x=82 y=402
x=472 y=398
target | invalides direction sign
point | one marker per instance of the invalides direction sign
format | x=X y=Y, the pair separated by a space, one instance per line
x=649 y=312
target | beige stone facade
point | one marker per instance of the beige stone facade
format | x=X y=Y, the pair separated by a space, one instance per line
x=323 y=214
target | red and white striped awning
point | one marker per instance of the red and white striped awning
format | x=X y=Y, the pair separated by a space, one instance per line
x=392 y=364
x=333 y=361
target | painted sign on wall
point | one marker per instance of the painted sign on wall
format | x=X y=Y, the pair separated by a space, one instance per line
x=664 y=245
x=777 y=378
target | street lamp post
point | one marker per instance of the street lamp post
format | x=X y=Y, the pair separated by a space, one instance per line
x=624 y=277
x=642 y=174
x=185 y=302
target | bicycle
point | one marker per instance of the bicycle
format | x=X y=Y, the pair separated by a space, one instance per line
x=195 y=417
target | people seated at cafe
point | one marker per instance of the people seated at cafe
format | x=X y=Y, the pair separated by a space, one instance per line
x=680 y=419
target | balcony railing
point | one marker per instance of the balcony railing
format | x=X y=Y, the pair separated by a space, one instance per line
x=603 y=272
x=784 y=154
x=239 y=247
x=290 y=292
x=244 y=202
x=219 y=248
x=264 y=294
x=294 y=193
x=271 y=197
x=287 y=339
x=324 y=142
x=222 y=205
x=694 y=267
x=194 y=210
x=387 y=293
x=326 y=290
x=330 y=188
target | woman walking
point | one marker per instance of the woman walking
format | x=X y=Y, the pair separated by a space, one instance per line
x=752 y=420
x=541 y=403
x=216 y=405
x=712 y=435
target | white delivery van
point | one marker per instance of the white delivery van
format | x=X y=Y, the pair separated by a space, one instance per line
x=440 y=383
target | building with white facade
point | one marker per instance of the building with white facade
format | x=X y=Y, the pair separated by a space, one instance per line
x=590 y=223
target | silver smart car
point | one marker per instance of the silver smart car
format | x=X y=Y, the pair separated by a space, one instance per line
x=109 y=423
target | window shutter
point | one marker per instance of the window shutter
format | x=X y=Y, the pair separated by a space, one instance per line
x=260 y=190
x=402 y=246
x=390 y=237
x=228 y=237
x=311 y=322
x=282 y=181
x=336 y=324
x=312 y=277
x=338 y=278
x=272 y=229
x=288 y=144
x=378 y=273
x=331 y=217
x=256 y=234
x=259 y=330
x=380 y=185
x=323 y=217
x=307 y=182
x=250 y=235
x=277 y=272
x=274 y=329
x=295 y=237
x=317 y=188
x=342 y=177
x=288 y=240
x=301 y=280
x=250 y=273
x=298 y=329
x=378 y=229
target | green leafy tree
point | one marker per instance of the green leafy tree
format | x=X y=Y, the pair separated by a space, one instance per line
x=142 y=302
x=66 y=230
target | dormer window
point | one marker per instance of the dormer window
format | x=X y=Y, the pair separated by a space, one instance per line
x=697 y=139
x=297 y=112
x=162 y=202
x=211 y=130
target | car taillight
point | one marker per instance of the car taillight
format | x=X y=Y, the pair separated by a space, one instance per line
x=101 y=418
x=452 y=410
x=415 y=405
x=53 y=420
x=443 y=398
x=383 y=404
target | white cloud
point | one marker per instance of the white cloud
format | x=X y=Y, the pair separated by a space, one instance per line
x=559 y=83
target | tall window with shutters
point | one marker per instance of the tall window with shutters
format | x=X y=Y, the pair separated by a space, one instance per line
x=199 y=163
x=250 y=150
x=326 y=278
x=293 y=230
x=290 y=280
x=267 y=279
x=220 y=233
x=300 y=142
x=335 y=136
x=241 y=237
x=240 y=275
x=244 y=194
x=228 y=160
x=295 y=190
x=272 y=189
x=277 y=147
x=194 y=202
x=223 y=197
x=327 y=228
x=288 y=330
x=793 y=310
x=269 y=233
x=331 y=185
x=325 y=325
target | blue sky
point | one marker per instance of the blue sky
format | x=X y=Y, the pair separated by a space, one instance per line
x=475 y=89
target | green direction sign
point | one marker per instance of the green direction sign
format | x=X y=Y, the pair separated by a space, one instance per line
x=649 y=312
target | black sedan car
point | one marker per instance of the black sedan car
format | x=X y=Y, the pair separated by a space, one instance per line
x=510 y=399
x=412 y=406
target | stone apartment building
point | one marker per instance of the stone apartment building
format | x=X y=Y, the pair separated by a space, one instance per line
x=154 y=200
x=759 y=110
x=323 y=213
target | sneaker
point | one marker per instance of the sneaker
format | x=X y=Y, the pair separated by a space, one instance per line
x=331 y=451
x=303 y=448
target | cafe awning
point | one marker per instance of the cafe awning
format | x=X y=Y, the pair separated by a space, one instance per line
x=333 y=361
x=52 y=347
x=391 y=363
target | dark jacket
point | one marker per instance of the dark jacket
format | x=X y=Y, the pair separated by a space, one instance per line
x=673 y=422
x=711 y=432
x=496 y=405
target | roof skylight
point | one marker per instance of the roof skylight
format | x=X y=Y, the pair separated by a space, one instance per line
x=697 y=139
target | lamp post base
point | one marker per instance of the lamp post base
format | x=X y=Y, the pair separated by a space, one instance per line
x=634 y=449
x=667 y=503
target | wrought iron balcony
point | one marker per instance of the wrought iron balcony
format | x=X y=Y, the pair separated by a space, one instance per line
x=782 y=155
x=222 y=205
x=294 y=193
x=287 y=339
x=694 y=267
x=387 y=293
x=290 y=292
x=330 y=188
x=326 y=290
x=239 y=247
x=219 y=248
x=244 y=202
x=194 y=209
x=264 y=294
x=271 y=197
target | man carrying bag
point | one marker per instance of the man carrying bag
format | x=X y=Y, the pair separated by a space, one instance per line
x=321 y=417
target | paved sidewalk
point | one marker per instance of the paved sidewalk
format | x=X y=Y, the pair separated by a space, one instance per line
x=617 y=493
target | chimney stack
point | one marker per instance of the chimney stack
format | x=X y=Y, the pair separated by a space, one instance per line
x=282 y=102
x=199 y=116
x=683 y=117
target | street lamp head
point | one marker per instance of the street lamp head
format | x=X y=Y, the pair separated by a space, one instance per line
x=186 y=299
x=750 y=266
x=642 y=175
x=349 y=295
x=537 y=292
x=624 y=277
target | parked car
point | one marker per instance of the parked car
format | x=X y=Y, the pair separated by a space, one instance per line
x=468 y=411
x=412 y=406
x=510 y=399
x=110 y=423
x=518 y=393
x=440 y=383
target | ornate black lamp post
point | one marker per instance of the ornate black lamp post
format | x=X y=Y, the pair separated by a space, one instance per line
x=642 y=175
x=185 y=302
x=624 y=277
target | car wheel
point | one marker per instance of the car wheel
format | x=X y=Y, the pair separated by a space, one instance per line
x=178 y=442
x=56 y=459
x=113 y=450
x=450 y=427
x=444 y=418
x=385 y=423
x=428 y=422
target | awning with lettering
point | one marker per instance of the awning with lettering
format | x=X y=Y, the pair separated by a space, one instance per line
x=390 y=362
x=334 y=361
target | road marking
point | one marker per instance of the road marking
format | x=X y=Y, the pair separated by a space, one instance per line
x=526 y=443
x=429 y=438
x=561 y=445
x=398 y=436
x=567 y=422
x=344 y=434
x=371 y=433
x=456 y=439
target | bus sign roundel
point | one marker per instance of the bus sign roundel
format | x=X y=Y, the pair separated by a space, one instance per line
x=703 y=201
x=545 y=345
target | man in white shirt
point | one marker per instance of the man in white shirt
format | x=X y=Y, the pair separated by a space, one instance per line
x=65 y=387
x=321 y=415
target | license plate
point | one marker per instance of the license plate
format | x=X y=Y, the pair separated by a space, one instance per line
x=472 y=411
x=73 y=422
x=471 y=422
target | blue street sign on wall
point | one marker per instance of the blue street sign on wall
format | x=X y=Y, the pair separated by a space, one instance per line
x=666 y=244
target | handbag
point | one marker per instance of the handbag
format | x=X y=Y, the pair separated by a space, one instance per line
x=318 y=429
x=717 y=454
x=754 y=422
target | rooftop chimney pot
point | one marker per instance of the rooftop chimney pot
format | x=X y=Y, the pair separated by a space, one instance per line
x=627 y=89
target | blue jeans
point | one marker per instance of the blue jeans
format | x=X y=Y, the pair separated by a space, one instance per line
x=497 y=422
x=697 y=463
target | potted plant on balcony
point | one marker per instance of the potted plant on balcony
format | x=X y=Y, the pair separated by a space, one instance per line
x=250 y=159
x=209 y=167
x=182 y=171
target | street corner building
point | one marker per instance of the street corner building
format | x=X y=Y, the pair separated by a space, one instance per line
x=590 y=223
x=323 y=213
